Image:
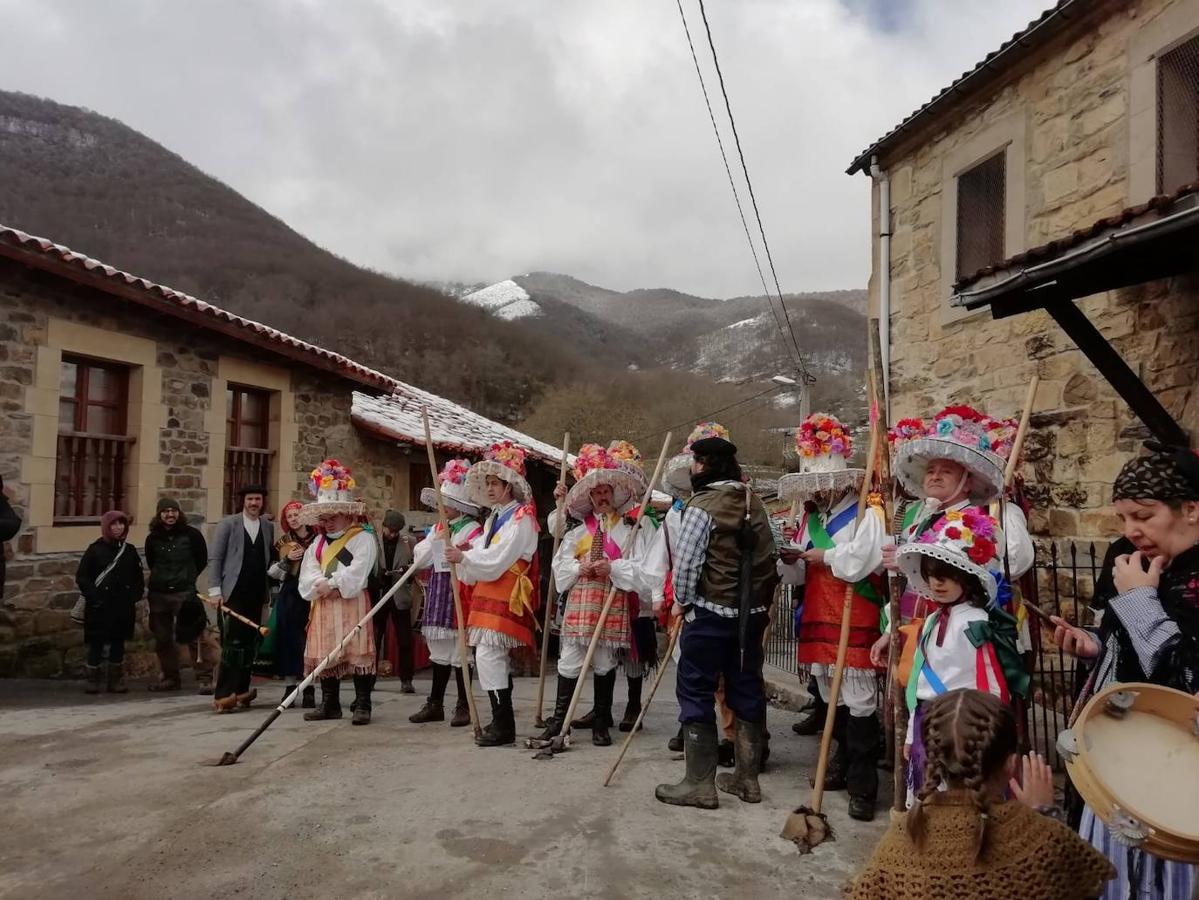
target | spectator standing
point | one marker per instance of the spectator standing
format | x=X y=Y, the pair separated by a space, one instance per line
x=10 y=524
x=396 y=557
x=175 y=556
x=111 y=580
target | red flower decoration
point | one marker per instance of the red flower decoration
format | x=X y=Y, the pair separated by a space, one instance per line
x=982 y=552
x=953 y=533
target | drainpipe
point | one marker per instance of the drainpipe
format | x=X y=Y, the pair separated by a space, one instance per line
x=884 y=277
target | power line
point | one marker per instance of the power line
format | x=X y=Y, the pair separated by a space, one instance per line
x=736 y=196
x=808 y=379
x=703 y=417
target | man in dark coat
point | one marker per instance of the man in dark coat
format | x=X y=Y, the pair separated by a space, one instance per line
x=395 y=558
x=176 y=555
x=10 y=524
x=243 y=545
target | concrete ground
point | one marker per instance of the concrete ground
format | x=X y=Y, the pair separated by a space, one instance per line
x=107 y=797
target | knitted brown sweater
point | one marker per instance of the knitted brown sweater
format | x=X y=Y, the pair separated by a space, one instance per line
x=1030 y=857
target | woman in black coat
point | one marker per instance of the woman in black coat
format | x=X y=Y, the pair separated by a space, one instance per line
x=109 y=615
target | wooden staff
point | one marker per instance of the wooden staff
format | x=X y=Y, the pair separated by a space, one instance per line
x=1021 y=432
x=559 y=742
x=807 y=826
x=463 y=650
x=245 y=620
x=560 y=509
x=674 y=636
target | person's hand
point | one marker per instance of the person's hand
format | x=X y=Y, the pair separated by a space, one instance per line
x=296 y=553
x=790 y=555
x=601 y=568
x=1075 y=641
x=815 y=555
x=559 y=492
x=454 y=555
x=1129 y=572
x=889 y=558
x=878 y=651
x=676 y=610
x=1037 y=788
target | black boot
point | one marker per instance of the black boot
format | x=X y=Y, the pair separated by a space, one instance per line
x=502 y=729
x=743 y=781
x=862 y=740
x=675 y=744
x=462 y=710
x=605 y=686
x=309 y=701
x=835 y=774
x=434 y=708
x=116 y=678
x=553 y=725
x=726 y=754
x=95 y=679
x=698 y=787
x=633 y=709
x=363 y=684
x=813 y=720
x=330 y=706
x=585 y=722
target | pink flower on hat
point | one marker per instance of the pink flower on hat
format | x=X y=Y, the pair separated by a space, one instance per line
x=454 y=472
x=508 y=455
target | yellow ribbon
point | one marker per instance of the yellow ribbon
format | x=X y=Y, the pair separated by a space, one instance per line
x=522 y=592
x=329 y=553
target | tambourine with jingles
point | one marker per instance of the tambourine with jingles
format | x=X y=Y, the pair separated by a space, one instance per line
x=1133 y=755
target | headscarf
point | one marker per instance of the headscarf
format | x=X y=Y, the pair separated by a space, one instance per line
x=289 y=505
x=1168 y=476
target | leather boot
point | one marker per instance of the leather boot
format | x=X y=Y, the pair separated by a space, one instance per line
x=585 y=722
x=813 y=720
x=862 y=739
x=330 y=705
x=502 y=729
x=553 y=725
x=434 y=708
x=362 y=699
x=743 y=781
x=835 y=774
x=309 y=701
x=95 y=679
x=633 y=709
x=605 y=686
x=698 y=787
x=462 y=710
x=116 y=678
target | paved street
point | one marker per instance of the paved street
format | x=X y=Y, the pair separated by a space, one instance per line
x=107 y=798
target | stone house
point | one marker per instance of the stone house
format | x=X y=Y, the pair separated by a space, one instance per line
x=116 y=391
x=1037 y=217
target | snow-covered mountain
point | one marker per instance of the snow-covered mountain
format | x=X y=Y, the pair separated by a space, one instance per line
x=505 y=299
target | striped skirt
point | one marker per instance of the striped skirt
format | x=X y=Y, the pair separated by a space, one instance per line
x=1139 y=875
x=583 y=606
x=330 y=622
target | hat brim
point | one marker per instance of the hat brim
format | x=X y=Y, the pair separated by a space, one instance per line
x=310 y=513
x=714 y=446
x=986 y=468
x=252 y=489
x=428 y=497
x=677 y=479
x=625 y=490
x=908 y=559
x=476 y=482
x=802 y=485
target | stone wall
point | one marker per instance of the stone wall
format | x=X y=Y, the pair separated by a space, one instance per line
x=37 y=637
x=1070 y=110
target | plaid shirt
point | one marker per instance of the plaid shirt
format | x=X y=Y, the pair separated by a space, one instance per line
x=691 y=551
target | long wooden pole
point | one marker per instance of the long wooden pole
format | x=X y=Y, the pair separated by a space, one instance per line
x=826 y=738
x=245 y=620
x=674 y=636
x=463 y=650
x=560 y=740
x=560 y=509
x=1021 y=432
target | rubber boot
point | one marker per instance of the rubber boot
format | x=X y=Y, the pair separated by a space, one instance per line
x=698 y=787
x=862 y=739
x=553 y=725
x=743 y=781
x=633 y=709
x=835 y=774
x=675 y=744
x=95 y=679
x=434 y=708
x=330 y=705
x=605 y=686
x=502 y=729
x=363 y=685
x=116 y=678
x=813 y=720
x=462 y=709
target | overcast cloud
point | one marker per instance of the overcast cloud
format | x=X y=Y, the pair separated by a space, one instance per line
x=477 y=139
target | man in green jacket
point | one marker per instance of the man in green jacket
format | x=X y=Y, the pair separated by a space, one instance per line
x=176 y=555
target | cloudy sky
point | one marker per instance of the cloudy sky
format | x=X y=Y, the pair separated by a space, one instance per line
x=476 y=139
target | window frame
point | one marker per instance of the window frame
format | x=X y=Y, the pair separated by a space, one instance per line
x=239 y=457
x=999 y=214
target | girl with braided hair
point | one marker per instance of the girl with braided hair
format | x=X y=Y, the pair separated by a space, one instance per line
x=962 y=839
x=1149 y=630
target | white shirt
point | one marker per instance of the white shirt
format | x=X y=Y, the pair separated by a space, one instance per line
x=626 y=571
x=422 y=554
x=516 y=539
x=252 y=526
x=349 y=581
x=855 y=553
x=655 y=564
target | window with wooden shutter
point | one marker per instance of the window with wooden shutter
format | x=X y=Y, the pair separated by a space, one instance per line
x=247 y=436
x=982 y=195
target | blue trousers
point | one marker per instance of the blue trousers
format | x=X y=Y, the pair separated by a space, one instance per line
x=708 y=650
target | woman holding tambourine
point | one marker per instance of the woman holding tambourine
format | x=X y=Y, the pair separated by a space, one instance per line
x=1149 y=630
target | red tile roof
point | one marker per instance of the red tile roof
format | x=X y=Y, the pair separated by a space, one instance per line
x=992 y=66
x=1082 y=235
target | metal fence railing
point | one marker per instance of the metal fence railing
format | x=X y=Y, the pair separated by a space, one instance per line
x=780 y=643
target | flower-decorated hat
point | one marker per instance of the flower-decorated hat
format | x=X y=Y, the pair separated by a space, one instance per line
x=965 y=539
x=677 y=478
x=505 y=461
x=595 y=466
x=824 y=446
x=629 y=458
x=452 y=479
x=960 y=434
x=332 y=486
